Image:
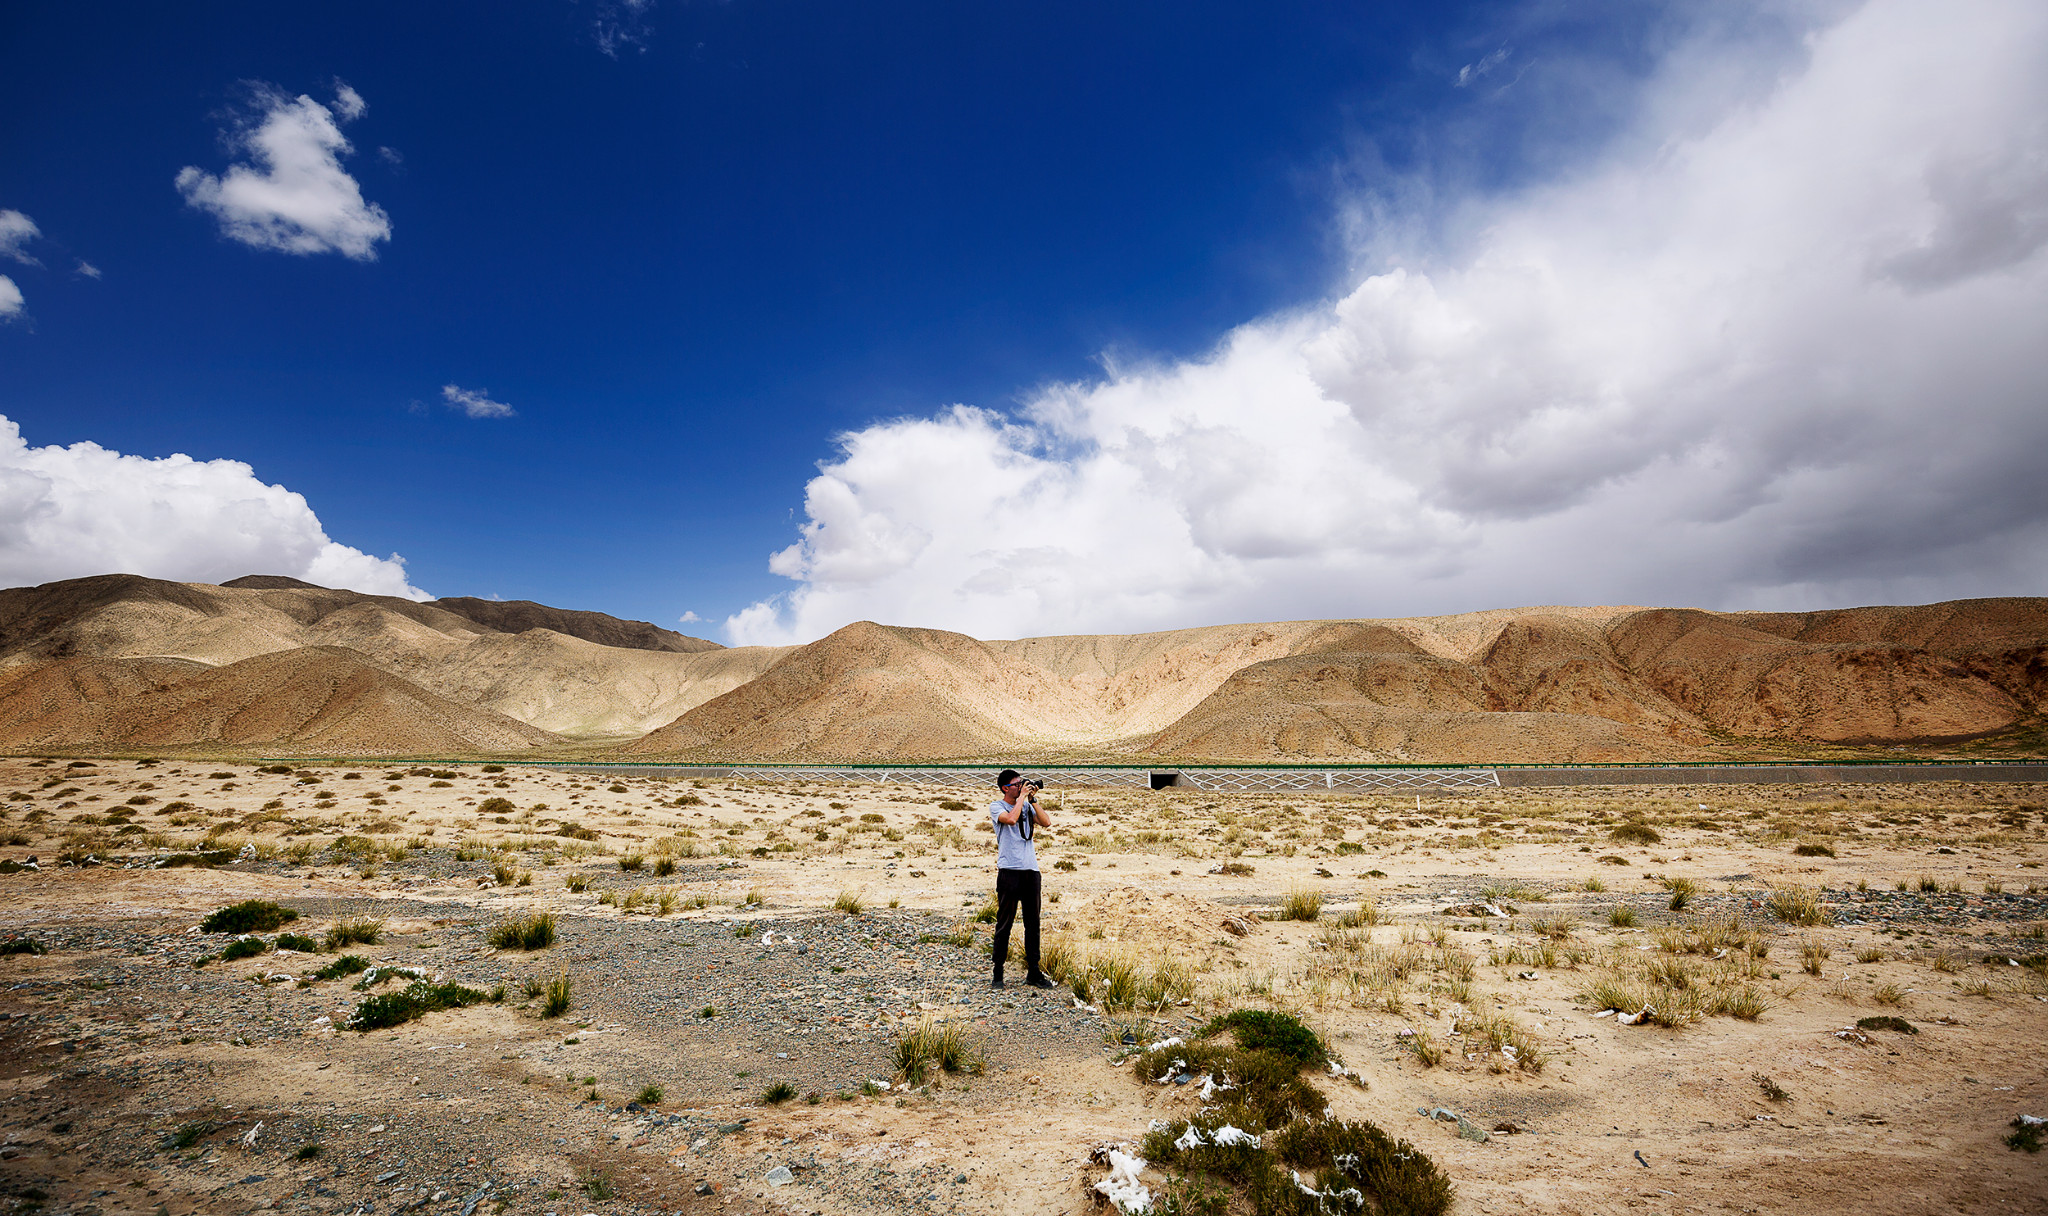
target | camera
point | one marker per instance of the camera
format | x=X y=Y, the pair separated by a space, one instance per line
x=1034 y=783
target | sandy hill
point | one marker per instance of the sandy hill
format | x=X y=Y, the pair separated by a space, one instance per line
x=1519 y=685
x=518 y=616
x=122 y=659
x=315 y=697
x=555 y=681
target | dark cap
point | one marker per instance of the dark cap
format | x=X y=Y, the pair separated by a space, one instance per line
x=1007 y=776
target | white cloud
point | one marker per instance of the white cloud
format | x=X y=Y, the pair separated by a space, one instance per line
x=16 y=231
x=10 y=299
x=688 y=618
x=68 y=512
x=1787 y=356
x=1473 y=71
x=87 y=269
x=621 y=24
x=292 y=195
x=475 y=404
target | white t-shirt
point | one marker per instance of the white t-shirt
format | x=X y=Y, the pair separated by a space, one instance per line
x=1013 y=840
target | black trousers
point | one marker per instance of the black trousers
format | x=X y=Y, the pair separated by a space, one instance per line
x=1014 y=887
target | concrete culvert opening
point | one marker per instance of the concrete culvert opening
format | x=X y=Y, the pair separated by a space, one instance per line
x=1161 y=781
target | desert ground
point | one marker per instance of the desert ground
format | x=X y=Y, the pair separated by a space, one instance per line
x=727 y=943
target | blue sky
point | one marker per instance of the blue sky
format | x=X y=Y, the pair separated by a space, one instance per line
x=693 y=250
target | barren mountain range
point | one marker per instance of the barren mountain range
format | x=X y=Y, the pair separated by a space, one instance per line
x=275 y=664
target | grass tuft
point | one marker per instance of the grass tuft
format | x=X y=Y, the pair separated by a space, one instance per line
x=849 y=901
x=778 y=1093
x=555 y=995
x=355 y=931
x=1301 y=903
x=1797 y=905
x=934 y=1046
x=534 y=931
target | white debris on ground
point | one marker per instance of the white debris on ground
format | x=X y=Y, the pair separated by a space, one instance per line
x=1122 y=1187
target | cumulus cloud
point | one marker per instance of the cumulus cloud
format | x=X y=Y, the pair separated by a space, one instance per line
x=16 y=231
x=10 y=299
x=1785 y=356
x=68 y=512
x=475 y=404
x=292 y=194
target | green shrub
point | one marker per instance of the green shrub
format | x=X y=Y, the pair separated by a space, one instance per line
x=415 y=1000
x=495 y=806
x=778 y=1093
x=22 y=945
x=649 y=1095
x=243 y=947
x=1263 y=1030
x=297 y=941
x=249 y=916
x=534 y=931
x=1887 y=1022
x=346 y=965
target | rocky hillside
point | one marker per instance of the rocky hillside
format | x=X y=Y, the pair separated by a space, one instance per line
x=268 y=662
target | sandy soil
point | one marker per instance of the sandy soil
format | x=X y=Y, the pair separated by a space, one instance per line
x=114 y=1044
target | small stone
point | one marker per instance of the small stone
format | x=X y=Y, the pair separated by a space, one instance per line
x=704 y=1188
x=385 y=1177
x=959 y=1179
x=780 y=1176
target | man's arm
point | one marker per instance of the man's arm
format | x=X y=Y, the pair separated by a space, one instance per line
x=1010 y=817
x=1038 y=815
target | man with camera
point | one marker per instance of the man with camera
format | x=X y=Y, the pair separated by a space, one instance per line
x=1017 y=818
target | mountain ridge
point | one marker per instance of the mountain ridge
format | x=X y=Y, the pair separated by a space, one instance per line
x=119 y=660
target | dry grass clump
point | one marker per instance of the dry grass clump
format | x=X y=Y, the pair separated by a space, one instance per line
x=850 y=901
x=1811 y=956
x=1797 y=905
x=1634 y=832
x=354 y=931
x=1301 y=903
x=1682 y=890
x=932 y=1045
x=534 y=931
x=1621 y=916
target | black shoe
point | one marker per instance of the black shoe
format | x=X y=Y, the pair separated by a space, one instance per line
x=996 y=982
x=1040 y=981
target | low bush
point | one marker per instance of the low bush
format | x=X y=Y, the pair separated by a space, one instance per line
x=778 y=1093
x=249 y=916
x=243 y=947
x=1634 y=833
x=22 y=945
x=346 y=965
x=415 y=1000
x=1263 y=1030
x=1812 y=849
